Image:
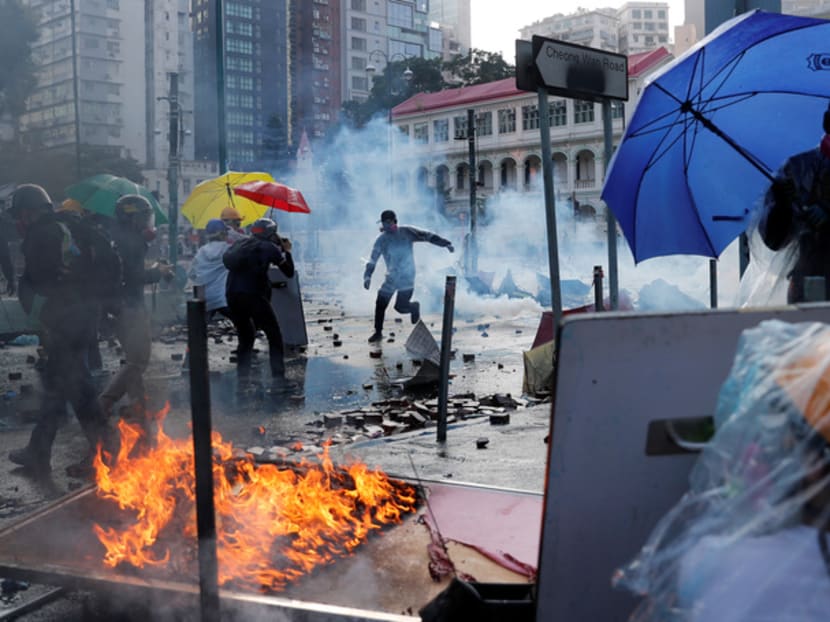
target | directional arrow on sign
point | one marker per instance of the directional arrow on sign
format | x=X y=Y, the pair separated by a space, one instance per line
x=578 y=71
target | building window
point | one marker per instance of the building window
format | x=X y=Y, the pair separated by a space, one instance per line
x=530 y=117
x=583 y=111
x=359 y=5
x=507 y=120
x=400 y=15
x=360 y=83
x=484 y=123
x=358 y=44
x=441 y=130
x=558 y=113
x=358 y=63
x=459 y=125
x=617 y=109
x=420 y=132
x=358 y=23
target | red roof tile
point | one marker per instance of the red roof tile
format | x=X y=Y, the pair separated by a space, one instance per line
x=644 y=61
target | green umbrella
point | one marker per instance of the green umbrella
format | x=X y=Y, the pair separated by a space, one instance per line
x=99 y=194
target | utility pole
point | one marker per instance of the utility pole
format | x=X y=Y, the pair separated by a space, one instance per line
x=472 y=248
x=75 y=94
x=173 y=167
x=220 y=88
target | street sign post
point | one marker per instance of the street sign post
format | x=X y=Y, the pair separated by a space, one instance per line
x=552 y=67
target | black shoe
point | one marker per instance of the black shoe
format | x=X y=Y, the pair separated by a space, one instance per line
x=376 y=336
x=29 y=460
x=416 y=312
x=82 y=469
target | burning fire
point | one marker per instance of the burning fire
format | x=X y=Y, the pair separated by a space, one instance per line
x=273 y=524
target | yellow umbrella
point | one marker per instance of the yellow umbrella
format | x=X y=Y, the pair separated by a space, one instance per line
x=210 y=197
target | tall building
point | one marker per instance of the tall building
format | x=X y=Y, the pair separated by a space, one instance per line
x=643 y=26
x=596 y=28
x=634 y=27
x=169 y=51
x=316 y=66
x=455 y=16
x=378 y=32
x=109 y=54
x=256 y=82
x=805 y=7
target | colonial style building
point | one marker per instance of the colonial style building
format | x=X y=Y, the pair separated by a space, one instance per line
x=431 y=149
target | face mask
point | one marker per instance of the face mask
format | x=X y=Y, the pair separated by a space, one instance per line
x=389 y=227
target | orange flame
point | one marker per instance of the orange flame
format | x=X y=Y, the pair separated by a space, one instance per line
x=273 y=524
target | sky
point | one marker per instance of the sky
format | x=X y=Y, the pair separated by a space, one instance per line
x=495 y=26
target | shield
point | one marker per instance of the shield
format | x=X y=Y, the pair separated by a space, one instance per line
x=209 y=198
x=99 y=194
x=712 y=126
x=274 y=195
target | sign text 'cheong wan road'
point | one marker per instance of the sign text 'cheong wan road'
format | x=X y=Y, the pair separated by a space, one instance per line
x=574 y=70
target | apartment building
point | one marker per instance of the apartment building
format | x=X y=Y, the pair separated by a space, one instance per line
x=257 y=94
x=379 y=32
x=108 y=53
x=316 y=67
x=454 y=17
x=427 y=154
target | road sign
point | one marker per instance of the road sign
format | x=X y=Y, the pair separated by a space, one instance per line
x=581 y=72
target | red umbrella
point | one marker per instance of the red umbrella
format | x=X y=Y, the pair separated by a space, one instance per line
x=274 y=195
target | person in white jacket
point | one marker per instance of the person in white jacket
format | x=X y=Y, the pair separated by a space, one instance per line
x=208 y=271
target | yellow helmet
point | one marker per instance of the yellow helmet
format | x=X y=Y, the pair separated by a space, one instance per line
x=230 y=213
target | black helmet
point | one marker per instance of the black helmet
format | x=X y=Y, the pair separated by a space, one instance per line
x=264 y=228
x=133 y=208
x=29 y=197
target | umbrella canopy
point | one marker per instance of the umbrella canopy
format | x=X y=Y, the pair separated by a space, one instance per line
x=274 y=195
x=210 y=197
x=710 y=128
x=99 y=194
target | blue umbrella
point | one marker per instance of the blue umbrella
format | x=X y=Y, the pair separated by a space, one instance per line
x=712 y=126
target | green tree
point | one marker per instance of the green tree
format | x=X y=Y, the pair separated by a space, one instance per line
x=18 y=30
x=478 y=67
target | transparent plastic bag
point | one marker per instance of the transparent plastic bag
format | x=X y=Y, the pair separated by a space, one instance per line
x=747 y=541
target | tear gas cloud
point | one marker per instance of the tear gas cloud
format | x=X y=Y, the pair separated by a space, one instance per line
x=511 y=239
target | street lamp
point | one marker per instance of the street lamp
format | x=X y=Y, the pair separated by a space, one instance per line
x=407 y=76
x=173 y=166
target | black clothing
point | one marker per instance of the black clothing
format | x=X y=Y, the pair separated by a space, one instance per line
x=53 y=271
x=132 y=249
x=248 y=260
x=249 y=312
x=248 y=293
x=797 y=212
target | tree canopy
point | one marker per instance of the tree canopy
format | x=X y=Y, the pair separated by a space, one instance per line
x=401 y=79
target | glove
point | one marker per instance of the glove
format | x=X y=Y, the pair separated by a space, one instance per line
x=783 y=191
x=816 y=216
x=367 y=282
x=451 y=248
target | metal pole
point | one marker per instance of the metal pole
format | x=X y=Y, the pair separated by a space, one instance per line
x=173 y=169
x=446 y=344
x=598 y=303
x=472 y=247
x=550 y=208
x=611 y=222
x=75 y=95
x=713 y=284
x=220 y=88
x=203 y=459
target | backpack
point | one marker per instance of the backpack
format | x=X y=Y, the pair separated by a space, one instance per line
x=100 y=268
x=239 y=255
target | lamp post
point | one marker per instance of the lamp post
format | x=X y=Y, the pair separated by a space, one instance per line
x=407 y=76
x=173 y=166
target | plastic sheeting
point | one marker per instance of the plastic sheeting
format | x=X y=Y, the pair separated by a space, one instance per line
x=748 y=541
